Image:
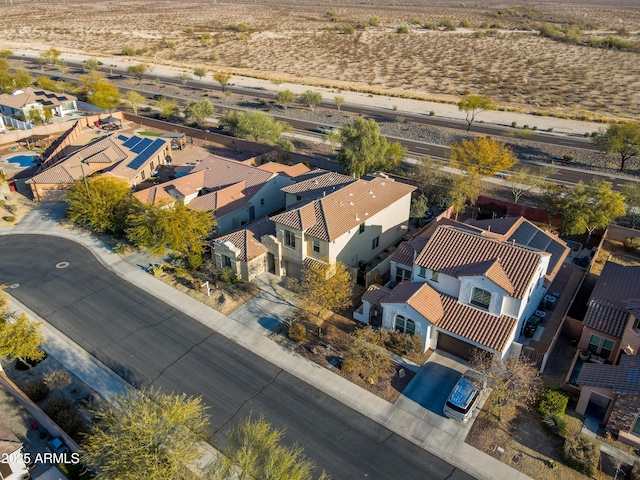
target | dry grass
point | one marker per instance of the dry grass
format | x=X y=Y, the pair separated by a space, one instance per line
x=515 y=66
x=613 y=251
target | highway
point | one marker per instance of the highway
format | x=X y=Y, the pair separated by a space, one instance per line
x=149 y=343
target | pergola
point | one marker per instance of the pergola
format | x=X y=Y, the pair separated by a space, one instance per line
x=110 y=120
x=42 y=141
x=178 y=138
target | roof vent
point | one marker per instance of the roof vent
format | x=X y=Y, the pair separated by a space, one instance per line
x=366 y=214
x=351 y=203
x=382 y=184
x=370 y=192
x=357 y=218
x=351 y=194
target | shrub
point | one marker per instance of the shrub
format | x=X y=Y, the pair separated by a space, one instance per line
x=567 y=158
x=238 y=27
x=118 y=248
x=297 y=332
x=374 y=21
x=347 y=29
x=581 y=454
x=332 y=16
x=400 y=119
x=552 y=401
x=155 y=270
x=464 y=23
x=366 y=358
x=555 y=424
x=228 y=276
x=484 y=24
x=66 y=415
x=429 y=26
x=403 y=343
x=36 y=390
x=432 y=113
x=128 y=51
x=402 y=29
x=447 y=24
x=632 y=244
x=9 y=218
x=181 y=272
x=194 y=262
x=514 y=124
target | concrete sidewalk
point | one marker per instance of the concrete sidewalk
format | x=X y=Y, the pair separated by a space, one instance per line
x=411 y=421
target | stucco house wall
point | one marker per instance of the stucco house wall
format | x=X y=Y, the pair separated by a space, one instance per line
x=424 y=328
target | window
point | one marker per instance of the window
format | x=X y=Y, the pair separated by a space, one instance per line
x=226 y=261
x=316 y=245
x=636 y=325
x=594 y=343
x=405 y=325
x=361 y=228
x=375 y=242
x=607 y=349
x=289 y=239
x=434 y=278
x=262 y=202
x=402 y=275
x=142 y=174
x=481 y=298
x=423 y=272
x=636 y=427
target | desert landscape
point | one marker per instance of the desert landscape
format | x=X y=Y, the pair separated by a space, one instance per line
x=438 y=50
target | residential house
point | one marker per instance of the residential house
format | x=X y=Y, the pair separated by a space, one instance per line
x=12 y=465
x=462 y=287
x=349 y=225
x=315 y=184
x=22 y=103
x=238 y=193
x=132 y=159
x=610 y=382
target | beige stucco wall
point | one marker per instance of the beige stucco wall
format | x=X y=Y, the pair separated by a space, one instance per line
x=585 y=395
x=586 y=334
x=631 y=338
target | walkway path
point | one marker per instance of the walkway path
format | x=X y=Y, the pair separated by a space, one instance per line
x=410 y=420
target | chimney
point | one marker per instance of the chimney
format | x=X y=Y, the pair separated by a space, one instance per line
x=488 y=228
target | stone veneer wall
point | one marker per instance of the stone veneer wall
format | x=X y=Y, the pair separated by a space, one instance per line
x=624 y=413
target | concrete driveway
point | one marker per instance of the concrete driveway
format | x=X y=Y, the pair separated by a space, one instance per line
x=264 y=312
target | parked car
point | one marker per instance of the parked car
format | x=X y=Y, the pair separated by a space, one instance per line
x=158 y=96
x=465 y=396
x=325 y=129
x=57 y=79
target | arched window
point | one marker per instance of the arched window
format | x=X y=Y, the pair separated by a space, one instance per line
x=404 y=325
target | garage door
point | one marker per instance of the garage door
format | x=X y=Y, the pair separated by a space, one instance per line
x=455 y=346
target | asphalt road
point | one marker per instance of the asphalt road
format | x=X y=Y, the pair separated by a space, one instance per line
x=150 y=343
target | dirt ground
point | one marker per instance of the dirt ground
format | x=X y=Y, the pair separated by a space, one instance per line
x=356 y=46
x=613 y=250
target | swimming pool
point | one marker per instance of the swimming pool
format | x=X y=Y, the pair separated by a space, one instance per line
x=24 y=160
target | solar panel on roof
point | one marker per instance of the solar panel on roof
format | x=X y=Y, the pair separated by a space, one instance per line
x=143 y=156
x=140 y=146
x=132 y=142
x=124 y=138
x=540 y=241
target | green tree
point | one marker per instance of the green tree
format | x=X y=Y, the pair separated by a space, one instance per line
x=419 y=205
x=198 y=110
x=254 y=125
x=147 y=435
x=311 y=98
x=51 y=57
x=588 y=207
x=21 y=78
x=472 y=105
x=178 y=228
x=222 y=78
x=621 y=138
x=366 y=356
x=168 y=107
x=285 y=98
x=102 y=203
x=138 y=71
x=200 y=72
x=515 y=383
x=134 y=99
x=338 y=100
x=333 y=137
x=184 y=78
x=364 y=150
x=19 y=337
x=6 y=80
x=91 y=64
x=255 y=446
x=324 y=286
x=105 y=96
x=482 y=156
x=631 y=193
x=463 y=189
x=526 y=179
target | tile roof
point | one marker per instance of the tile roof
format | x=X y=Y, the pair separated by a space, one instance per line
x=222 y=201
x=490 y=269
x=406 y=252
x=420 y=296
x=288 y=170
x=221 y=172
x=622 y=378
x=617 y=284
x=318 y=180
x=248 y=238
x=451 y=249
x=332 y=216
x=476 y=325
x=32 y=95
x=633 y=307
x=606 y=317
x=375 y=293
x=170 y=191
x=9 y=443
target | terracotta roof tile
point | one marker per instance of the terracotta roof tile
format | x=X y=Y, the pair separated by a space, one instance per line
x=476 y=325
x=31 y=95
x=247 y=239
x=606 y=317
x=406 y=252
x=221 y=172
x=222 y=201
x=171 y=190
x=318 y=180
x=449 y=249
x=330 y=217
x=622 y=378
x=617 y=284
x=490 y=269
x=375 y=293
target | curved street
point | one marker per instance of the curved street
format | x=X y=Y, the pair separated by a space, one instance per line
x=150 y=343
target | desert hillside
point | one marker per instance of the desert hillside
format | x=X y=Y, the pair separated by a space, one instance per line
x=422 y=49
